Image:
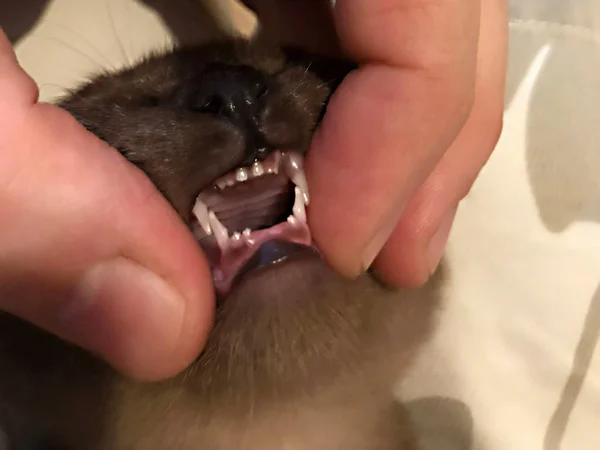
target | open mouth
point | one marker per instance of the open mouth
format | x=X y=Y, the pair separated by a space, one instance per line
x=249 y=207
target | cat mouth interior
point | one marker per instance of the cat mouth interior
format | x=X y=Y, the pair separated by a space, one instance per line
x=249 y=207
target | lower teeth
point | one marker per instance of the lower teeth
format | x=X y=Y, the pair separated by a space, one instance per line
x=213 y=226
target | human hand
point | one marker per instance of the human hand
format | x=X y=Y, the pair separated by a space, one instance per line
x=89 y=250
x=404 y=136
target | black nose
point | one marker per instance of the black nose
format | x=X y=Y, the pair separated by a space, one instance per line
x=232 y=92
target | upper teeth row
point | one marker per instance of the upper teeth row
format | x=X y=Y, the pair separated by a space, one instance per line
x=257 y=169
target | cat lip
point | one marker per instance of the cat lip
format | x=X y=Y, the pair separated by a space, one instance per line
x=273 y=254
x=254 y=196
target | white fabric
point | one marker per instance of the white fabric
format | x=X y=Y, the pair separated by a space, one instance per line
x=514 y=364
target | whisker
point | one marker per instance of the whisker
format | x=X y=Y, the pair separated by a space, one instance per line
x=43 y=85
x=81 y=38
x=49 y=95
x=63 y=90
x=71 y=47
x=116 y=33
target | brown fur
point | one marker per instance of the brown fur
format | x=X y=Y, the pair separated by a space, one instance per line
x=299 y=358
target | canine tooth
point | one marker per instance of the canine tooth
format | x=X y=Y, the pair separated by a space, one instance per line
x=298 y=208
x=276 y=161
x=201 y=212
x=241 y=174
x=221 y=233
x=293 y=165
x=221 y=184
x=257 y=169
x=247 y=232
x=292 y=220
x=236 y=236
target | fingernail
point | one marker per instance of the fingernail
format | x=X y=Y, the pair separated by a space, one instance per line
x=126 y=314
x=437 y=244
x=377 y=242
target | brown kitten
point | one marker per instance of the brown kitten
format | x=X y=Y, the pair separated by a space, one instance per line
x=299 y=358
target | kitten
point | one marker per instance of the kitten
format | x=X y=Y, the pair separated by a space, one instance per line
x=299 y=357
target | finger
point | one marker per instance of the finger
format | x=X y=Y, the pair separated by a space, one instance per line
x=18 y=89
x=93 y=253
x=291 y=22
x=417 y=243
x=390 y=122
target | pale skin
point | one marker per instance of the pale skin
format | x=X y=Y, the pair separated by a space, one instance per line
x=93 y=253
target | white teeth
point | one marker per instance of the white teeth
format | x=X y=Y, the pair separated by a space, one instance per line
x=241 y=174
x=257 y=169
x=293 y=164
x=298 y=208
x=201 y=212
x=276 y=161
x=221 y=233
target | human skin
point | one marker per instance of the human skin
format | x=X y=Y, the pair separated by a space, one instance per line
x=406 y=135
x=93 y=253
x=89 y=248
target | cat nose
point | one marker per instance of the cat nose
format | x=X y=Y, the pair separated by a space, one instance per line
x=235 y=93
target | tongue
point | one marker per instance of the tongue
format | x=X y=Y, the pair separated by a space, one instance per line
x=255 y=204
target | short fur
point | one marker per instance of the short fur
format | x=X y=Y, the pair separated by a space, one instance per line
x=299 y=358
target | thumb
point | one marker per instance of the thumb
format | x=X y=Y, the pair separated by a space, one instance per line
x=90 y=250
x=93 y=253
